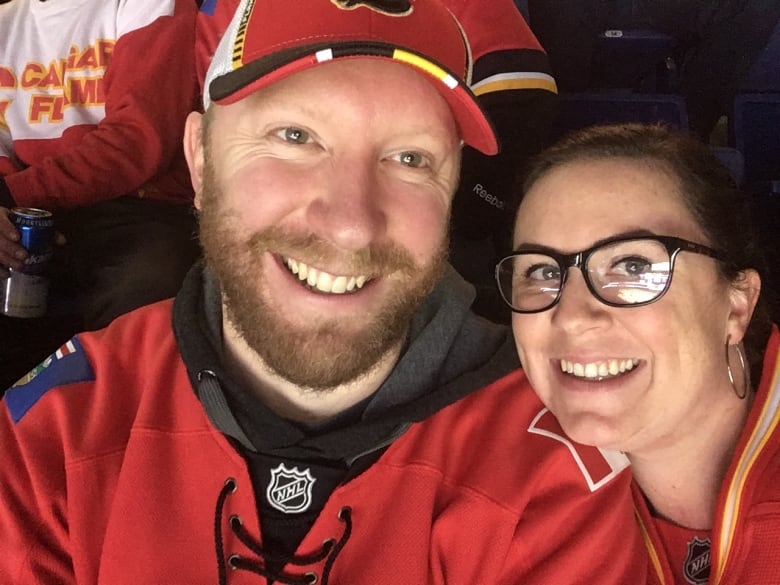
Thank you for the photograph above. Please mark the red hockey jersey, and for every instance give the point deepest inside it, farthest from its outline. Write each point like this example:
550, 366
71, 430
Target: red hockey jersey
115, 476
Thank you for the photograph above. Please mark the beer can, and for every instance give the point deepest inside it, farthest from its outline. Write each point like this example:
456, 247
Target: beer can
24, 292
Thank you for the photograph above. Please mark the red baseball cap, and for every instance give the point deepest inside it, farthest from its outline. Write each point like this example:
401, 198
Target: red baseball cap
268, 40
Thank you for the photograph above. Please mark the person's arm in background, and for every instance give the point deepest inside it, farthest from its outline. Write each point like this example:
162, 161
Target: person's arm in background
514, 84
150, 88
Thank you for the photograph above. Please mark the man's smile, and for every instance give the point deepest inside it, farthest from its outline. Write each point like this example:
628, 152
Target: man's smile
324, 281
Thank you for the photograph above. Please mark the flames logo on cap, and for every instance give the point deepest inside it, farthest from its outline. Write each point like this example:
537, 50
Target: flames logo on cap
389, 7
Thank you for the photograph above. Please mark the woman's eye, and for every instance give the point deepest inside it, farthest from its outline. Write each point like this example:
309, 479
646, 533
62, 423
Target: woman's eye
411, 159
294, 135
634, 266
543, 272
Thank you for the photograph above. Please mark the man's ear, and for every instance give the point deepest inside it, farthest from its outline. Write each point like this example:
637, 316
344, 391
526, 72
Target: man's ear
743, 298
193, 152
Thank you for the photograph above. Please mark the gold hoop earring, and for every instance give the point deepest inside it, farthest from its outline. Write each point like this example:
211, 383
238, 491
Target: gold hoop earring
745, 373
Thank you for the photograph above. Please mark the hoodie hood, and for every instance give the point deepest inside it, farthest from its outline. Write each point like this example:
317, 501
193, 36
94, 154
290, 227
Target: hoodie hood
449, 353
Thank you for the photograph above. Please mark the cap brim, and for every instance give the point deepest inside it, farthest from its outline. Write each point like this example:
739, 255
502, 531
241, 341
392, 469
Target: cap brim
475, 128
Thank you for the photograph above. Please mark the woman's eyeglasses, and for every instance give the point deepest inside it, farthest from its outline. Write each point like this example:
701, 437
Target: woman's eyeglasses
622, 272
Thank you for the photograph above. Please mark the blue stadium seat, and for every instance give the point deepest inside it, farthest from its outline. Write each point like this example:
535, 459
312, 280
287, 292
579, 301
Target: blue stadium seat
579, 110
764, 75
755, 127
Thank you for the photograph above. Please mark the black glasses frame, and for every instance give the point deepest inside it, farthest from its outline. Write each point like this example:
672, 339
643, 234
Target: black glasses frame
579, 260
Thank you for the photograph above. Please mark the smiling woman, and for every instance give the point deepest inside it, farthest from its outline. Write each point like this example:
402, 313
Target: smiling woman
643, 340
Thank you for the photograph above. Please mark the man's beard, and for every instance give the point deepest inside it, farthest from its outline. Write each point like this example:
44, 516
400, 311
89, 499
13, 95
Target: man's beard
326, 352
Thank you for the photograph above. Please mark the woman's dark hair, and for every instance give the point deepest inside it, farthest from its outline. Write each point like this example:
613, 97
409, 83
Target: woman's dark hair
707, 188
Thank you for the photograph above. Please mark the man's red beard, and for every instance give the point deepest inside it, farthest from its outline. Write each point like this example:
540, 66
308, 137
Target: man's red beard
328, 351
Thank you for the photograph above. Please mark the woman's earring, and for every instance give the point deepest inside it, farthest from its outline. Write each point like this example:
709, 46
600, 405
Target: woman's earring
743, 365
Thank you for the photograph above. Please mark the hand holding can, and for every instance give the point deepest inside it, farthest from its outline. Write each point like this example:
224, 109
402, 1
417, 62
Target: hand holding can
24, 293
12, 253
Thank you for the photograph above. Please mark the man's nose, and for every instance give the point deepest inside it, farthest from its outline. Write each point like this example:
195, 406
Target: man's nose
348, 211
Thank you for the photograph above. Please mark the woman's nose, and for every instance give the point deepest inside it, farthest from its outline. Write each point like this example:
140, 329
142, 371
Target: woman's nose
577, 307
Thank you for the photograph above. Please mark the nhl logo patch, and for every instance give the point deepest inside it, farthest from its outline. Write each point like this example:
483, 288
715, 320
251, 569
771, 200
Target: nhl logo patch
696, 566
290, 489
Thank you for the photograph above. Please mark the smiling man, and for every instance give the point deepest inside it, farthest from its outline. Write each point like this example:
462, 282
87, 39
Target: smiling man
325, 225
318, 404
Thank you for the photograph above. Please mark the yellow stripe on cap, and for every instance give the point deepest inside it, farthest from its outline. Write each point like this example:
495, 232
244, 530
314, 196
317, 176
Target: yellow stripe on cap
237, 59
427, 66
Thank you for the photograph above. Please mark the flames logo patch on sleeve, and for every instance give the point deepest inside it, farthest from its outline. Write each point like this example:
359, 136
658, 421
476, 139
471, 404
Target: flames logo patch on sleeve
598, 466
67, 365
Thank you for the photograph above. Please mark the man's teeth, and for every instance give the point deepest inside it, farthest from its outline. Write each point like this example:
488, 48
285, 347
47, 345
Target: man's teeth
323, 281
601, 369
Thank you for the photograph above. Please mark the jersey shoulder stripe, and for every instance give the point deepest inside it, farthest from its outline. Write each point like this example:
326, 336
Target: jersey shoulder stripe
67, 365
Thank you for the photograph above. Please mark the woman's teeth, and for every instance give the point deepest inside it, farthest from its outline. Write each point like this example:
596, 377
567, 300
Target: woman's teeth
600, 369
